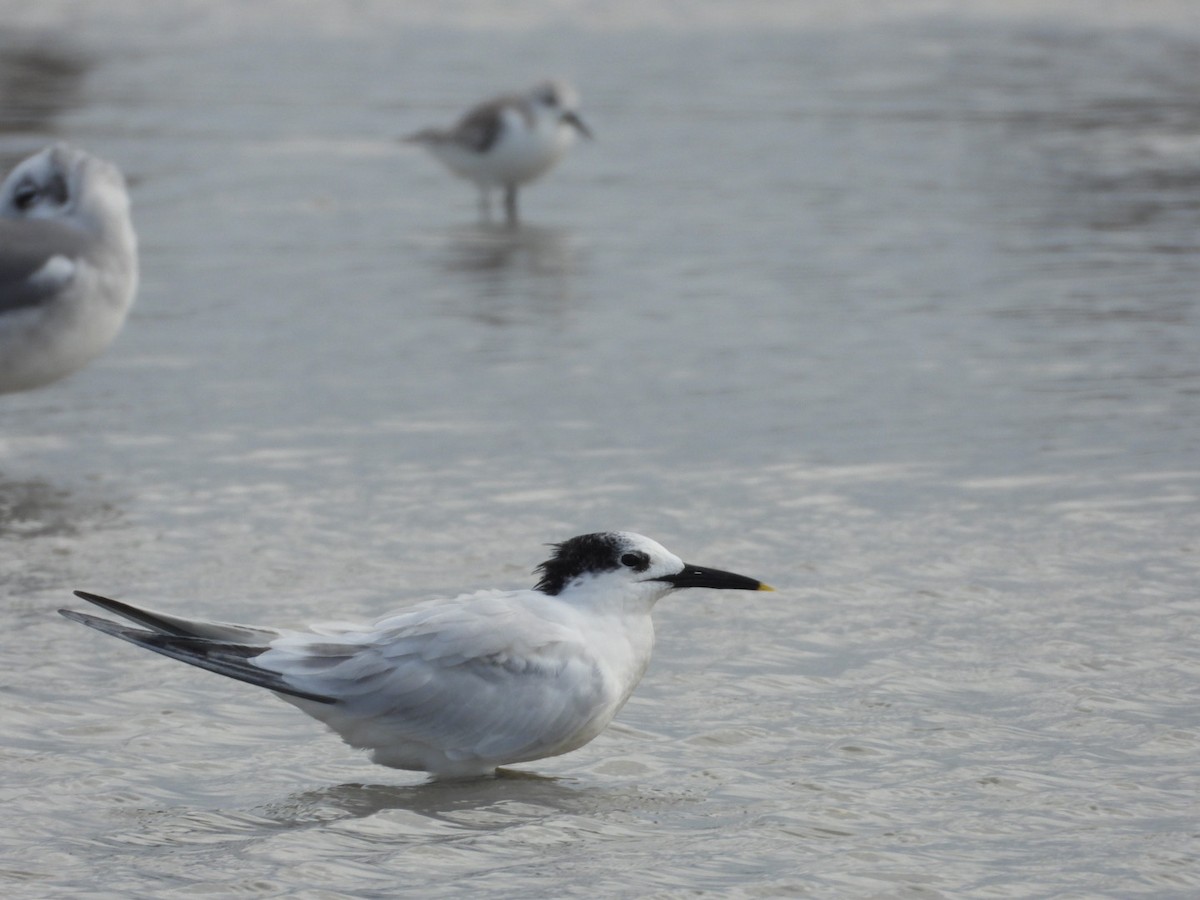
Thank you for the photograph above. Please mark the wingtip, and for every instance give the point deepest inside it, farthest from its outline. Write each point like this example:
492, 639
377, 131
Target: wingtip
76, 616
99, 599
105, 625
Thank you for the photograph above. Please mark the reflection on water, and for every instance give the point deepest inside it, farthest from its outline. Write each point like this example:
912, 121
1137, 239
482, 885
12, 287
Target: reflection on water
495, 248
494, 253
1120, 140
35, 509
40, 525
38, 81
1126, 181
455, 802
505, 274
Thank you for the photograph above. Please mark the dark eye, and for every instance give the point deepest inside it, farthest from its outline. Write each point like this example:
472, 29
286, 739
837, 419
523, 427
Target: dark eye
637, 561
24, 195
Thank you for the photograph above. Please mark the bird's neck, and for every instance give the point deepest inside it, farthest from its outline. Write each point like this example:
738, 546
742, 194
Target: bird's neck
632, 602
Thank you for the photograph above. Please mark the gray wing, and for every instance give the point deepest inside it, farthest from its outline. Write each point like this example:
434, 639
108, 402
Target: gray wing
27, 246
226, 649
485, 677
176, 625
479, 129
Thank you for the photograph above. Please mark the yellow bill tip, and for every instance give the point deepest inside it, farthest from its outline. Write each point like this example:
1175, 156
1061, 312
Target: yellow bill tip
765, 587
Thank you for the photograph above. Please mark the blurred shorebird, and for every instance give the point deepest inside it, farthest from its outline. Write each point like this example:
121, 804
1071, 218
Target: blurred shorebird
68, 265
508, 141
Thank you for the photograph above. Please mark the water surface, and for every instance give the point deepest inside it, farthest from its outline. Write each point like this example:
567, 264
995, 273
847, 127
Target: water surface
894, 309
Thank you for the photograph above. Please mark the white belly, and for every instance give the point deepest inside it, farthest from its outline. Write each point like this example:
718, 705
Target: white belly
518, 156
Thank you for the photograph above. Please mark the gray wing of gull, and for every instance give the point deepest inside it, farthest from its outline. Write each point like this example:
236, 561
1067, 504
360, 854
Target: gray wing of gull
26, 246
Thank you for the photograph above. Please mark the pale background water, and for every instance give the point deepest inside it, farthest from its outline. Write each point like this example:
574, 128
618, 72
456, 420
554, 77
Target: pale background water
893, 305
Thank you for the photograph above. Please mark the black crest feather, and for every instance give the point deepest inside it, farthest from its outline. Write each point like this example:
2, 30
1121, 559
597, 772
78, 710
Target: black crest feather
582, 555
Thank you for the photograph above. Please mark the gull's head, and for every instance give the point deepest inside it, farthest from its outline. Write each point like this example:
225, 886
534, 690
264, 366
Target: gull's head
629, 565
559, 100
64, 182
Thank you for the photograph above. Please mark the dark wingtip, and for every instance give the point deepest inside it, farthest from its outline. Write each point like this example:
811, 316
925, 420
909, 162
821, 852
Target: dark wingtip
228, 659
106, 625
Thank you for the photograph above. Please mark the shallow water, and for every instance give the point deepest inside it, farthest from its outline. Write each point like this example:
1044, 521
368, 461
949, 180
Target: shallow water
894, 309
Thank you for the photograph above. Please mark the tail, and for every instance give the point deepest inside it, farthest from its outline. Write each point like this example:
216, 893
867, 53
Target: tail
426, 136
228, 650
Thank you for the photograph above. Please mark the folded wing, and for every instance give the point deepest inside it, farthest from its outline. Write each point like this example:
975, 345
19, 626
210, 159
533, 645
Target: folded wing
226, 649
485, 677
36, 261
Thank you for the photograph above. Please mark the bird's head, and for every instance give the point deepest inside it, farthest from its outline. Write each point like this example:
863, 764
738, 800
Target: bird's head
622, 562
559, 99
64, 182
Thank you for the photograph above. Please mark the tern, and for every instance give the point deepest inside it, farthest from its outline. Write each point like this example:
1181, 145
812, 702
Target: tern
458, 687
508, 141
68, 265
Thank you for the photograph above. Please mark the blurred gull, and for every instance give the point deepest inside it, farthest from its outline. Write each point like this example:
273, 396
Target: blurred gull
68, 265
508, 141
459, 687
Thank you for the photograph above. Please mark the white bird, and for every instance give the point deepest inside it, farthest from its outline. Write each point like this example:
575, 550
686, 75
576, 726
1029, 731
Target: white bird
508, 141
458, 687
68, 264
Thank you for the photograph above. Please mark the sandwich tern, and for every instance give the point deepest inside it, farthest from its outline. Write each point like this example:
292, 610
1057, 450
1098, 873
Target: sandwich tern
68, 264
458, 687
508, 141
